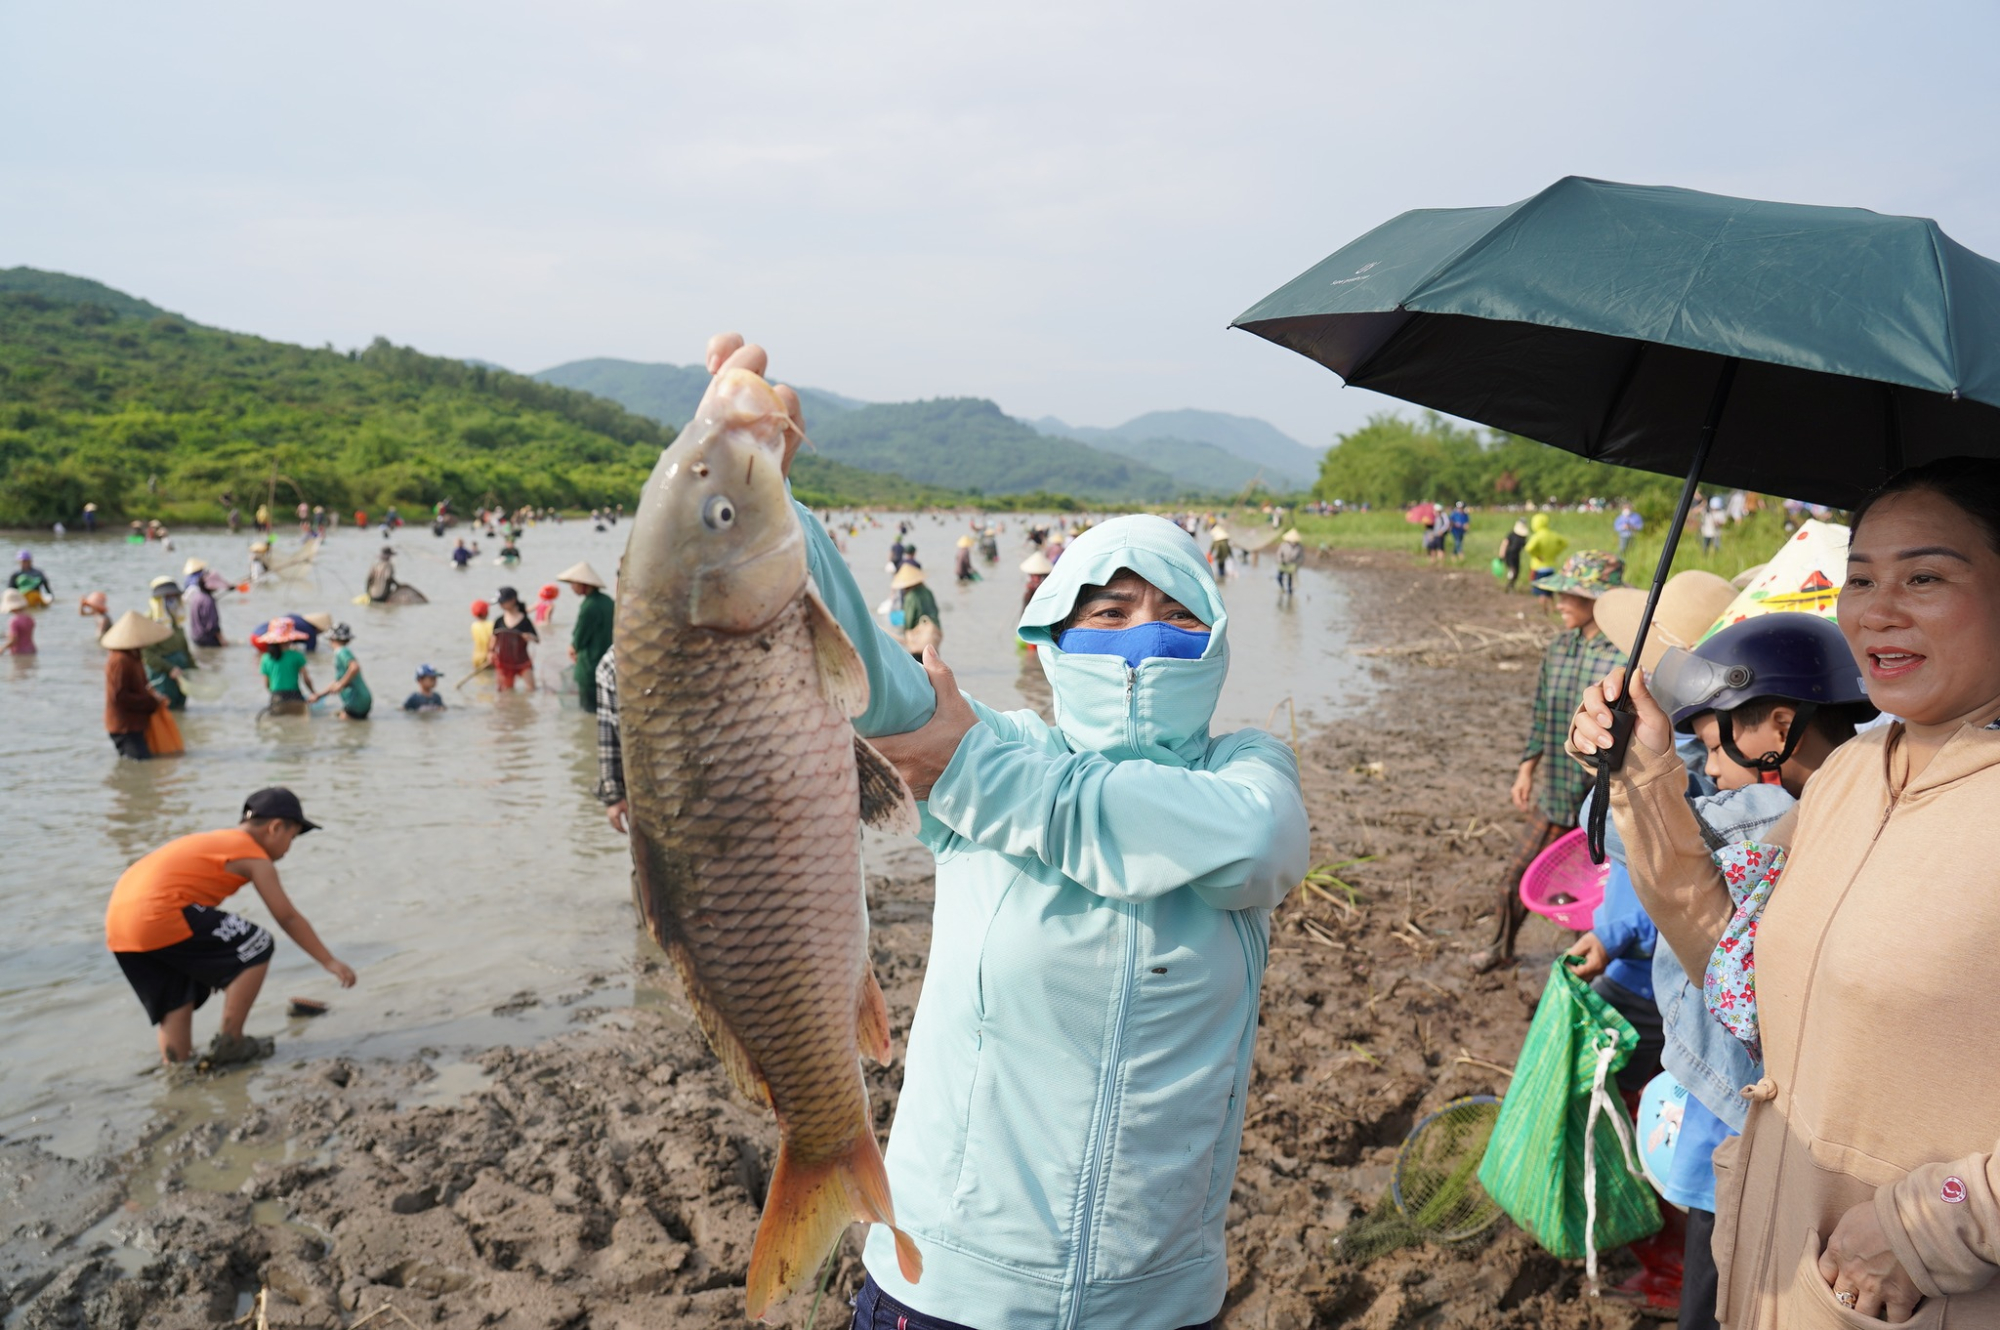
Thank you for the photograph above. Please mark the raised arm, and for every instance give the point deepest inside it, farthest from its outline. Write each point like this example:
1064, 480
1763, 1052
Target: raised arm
1670, 864
900, 697
1135, 830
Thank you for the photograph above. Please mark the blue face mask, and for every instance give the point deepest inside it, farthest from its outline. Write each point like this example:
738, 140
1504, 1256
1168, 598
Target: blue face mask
1141, 642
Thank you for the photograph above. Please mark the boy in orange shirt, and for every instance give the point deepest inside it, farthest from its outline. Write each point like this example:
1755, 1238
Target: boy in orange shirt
175, 946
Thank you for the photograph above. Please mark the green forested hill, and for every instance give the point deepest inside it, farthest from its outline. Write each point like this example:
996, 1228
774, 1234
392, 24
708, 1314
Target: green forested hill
152, 415
668, 393
68, 290
968, 443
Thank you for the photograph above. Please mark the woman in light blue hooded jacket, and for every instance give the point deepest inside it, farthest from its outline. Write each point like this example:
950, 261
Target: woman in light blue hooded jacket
1066, 1140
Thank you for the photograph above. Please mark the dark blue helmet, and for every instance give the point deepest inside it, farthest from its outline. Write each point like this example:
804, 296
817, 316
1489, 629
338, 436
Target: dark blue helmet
1798, 658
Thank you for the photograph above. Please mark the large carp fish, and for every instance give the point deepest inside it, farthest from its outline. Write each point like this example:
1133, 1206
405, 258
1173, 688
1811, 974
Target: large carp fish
747, 786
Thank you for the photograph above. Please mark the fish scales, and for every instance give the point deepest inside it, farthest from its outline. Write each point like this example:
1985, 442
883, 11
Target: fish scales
750, 797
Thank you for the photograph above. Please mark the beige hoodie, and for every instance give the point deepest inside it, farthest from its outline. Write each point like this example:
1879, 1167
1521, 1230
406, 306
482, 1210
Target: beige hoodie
1878, 991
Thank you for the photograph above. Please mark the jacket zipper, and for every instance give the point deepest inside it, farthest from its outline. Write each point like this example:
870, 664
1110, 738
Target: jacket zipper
1798, 1039
1100, 1150
1132, 708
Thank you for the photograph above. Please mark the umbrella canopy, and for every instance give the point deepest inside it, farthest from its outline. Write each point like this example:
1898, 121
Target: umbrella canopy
1600, 317
1805, 351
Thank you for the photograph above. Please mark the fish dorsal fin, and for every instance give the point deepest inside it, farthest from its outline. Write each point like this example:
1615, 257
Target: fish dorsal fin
886, 802
843, 679
873, 1025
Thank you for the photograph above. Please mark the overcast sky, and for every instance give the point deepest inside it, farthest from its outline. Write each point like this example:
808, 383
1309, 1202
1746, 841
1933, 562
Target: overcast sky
1056, 205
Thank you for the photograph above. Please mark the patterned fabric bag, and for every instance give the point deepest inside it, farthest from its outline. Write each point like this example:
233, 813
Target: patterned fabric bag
1729, 988
1560, 1161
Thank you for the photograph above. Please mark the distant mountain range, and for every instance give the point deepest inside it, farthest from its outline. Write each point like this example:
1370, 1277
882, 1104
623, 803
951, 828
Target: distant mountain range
1195, 437
970, 444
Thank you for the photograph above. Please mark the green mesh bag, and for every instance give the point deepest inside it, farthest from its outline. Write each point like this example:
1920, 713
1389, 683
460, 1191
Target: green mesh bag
1561, 1151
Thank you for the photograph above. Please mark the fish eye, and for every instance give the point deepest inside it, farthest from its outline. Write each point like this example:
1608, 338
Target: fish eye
718, 514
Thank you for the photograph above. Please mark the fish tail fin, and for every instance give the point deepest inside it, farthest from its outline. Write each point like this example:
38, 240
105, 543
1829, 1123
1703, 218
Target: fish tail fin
807, 1209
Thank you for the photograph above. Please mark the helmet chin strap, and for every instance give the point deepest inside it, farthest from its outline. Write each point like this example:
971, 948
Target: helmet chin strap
1769, 763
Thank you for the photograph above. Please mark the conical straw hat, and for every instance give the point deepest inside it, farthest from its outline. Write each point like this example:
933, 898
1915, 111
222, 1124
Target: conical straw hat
1293, 534
581, 572
1689, 603
193, 566
1037, 562
966, 542
134, 631
1217, 534
321, 620
906, 577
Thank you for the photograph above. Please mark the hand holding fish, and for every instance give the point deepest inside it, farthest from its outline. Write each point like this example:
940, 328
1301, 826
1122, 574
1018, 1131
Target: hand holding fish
729, 351
921, 755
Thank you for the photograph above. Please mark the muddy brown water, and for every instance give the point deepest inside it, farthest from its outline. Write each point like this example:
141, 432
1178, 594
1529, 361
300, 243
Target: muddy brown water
465, 869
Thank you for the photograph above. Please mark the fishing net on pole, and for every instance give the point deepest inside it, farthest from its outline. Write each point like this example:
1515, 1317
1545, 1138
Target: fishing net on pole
1434, 1193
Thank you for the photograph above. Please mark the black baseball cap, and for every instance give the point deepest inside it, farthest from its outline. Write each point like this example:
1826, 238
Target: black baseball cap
277, 801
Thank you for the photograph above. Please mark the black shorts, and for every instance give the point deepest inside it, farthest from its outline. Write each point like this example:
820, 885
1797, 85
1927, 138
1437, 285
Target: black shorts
224, 945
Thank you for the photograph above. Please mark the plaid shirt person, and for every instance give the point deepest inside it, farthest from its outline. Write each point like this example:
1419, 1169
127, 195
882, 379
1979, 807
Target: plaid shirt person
610, 749
1571, 664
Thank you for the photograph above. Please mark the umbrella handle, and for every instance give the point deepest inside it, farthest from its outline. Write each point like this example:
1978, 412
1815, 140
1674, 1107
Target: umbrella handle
1622, 718
1623, 722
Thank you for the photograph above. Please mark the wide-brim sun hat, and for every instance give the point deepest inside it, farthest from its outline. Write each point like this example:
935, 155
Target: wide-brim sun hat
907, 576
134, 632
1690, 603
193, 566
164, 586
1037, 563
549, 592
1587, 573
12, 601
340, 632
92, 601
284, 630
319, 619
581, 573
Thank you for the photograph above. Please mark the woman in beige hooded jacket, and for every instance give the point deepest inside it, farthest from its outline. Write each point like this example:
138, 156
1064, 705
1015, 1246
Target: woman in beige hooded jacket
1866, 1186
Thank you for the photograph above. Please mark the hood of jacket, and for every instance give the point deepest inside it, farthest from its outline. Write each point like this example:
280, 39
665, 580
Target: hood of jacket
1159, 710
1539, 522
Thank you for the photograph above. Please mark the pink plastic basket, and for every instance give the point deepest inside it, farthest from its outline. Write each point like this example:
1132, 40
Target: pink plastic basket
1564, 870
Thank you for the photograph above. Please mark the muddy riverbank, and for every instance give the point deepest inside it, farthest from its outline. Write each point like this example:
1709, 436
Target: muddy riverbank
607, 1176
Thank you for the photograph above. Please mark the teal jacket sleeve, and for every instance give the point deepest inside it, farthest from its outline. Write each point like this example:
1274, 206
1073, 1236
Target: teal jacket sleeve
1236, 833
900, 696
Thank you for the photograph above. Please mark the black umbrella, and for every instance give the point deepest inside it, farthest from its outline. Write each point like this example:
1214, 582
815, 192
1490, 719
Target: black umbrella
1805, 351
